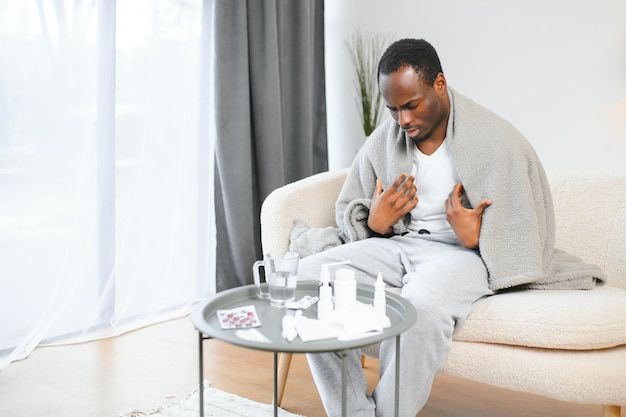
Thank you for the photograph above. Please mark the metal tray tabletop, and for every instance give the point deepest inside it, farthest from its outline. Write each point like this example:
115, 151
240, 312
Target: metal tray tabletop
204, 317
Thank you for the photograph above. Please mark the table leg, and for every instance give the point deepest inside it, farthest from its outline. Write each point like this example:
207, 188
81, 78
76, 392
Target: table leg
397, 394
344, 412
201, 373
275, 384
284, 362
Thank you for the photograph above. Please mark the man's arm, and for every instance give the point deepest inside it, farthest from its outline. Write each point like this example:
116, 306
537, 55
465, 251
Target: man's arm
465, 222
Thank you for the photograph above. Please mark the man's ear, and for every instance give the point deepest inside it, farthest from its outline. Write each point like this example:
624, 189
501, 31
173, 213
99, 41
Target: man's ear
440, 84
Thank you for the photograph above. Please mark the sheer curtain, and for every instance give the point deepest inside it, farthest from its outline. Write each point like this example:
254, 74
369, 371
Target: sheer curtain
106, 165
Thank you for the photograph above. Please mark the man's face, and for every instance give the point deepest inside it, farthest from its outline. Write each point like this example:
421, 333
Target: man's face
419, 109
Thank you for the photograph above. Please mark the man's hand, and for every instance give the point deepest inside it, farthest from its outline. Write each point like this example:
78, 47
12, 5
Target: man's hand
389, 206
465, 222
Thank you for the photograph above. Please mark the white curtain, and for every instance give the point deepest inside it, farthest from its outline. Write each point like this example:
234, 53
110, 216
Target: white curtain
106, 164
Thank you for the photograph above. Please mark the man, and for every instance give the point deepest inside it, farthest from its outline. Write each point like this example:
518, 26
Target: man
449, 202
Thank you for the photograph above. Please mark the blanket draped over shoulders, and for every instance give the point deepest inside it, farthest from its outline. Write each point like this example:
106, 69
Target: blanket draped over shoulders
494, 161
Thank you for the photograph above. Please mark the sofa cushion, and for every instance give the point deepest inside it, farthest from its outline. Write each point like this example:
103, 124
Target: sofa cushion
578, 320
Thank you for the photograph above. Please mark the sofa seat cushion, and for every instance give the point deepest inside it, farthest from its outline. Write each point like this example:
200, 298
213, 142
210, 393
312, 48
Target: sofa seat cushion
575, 320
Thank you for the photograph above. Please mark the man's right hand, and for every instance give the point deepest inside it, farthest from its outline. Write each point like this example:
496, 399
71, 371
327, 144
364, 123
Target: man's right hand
389, 206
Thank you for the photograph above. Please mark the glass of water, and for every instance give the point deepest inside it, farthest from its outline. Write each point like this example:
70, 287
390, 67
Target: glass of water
281, 276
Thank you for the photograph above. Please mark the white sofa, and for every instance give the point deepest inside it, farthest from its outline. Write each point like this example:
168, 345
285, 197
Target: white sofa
567, 345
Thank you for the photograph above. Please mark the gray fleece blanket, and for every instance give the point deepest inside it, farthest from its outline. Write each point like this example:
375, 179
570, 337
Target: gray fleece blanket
494, 161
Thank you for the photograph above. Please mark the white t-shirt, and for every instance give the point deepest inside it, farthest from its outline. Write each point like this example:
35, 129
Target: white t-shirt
435, 177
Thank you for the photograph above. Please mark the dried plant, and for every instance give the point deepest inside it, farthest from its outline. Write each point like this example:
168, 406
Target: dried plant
365, 51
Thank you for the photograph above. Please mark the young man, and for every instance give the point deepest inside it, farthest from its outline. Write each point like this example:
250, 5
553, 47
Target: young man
450, 203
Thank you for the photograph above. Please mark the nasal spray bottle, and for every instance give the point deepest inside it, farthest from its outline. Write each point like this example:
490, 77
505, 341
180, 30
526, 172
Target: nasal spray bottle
380, 302
325, 305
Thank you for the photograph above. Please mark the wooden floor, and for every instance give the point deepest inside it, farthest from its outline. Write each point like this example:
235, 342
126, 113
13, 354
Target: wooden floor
156, 365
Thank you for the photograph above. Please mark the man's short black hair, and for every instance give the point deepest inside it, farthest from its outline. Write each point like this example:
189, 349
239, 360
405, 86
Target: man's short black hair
415, 53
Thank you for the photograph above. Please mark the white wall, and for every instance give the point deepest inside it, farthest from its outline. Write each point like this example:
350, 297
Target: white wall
555, 69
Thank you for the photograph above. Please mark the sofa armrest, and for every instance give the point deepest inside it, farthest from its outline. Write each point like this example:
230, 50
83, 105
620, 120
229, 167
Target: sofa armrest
311, 199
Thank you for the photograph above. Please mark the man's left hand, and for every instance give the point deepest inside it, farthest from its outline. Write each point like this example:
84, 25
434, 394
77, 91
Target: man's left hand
465, 222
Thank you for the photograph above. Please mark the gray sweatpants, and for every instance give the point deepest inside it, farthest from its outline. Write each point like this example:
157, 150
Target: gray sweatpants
441, 278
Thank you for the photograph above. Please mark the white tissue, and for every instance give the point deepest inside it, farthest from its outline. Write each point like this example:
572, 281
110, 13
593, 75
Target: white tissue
360, 318
312, 329
289, 328
253, 335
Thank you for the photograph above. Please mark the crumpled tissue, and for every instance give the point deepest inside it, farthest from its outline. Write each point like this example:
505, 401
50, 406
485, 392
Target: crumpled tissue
360, 320
252, 335
312, 329
289, 328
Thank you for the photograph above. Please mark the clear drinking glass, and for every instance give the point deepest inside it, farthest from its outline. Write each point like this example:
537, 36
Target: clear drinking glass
281, 275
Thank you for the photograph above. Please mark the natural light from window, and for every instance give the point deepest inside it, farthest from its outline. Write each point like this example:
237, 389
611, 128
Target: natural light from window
104, 166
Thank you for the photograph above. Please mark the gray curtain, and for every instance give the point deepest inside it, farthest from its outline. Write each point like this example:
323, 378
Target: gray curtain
270, 116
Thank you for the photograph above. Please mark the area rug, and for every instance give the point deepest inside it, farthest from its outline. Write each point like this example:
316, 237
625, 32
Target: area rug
216, 404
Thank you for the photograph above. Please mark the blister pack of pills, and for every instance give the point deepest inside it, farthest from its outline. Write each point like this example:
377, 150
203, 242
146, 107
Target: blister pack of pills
238, 318
303, 303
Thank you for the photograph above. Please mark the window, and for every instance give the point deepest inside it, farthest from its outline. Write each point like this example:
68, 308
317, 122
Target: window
105, 167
